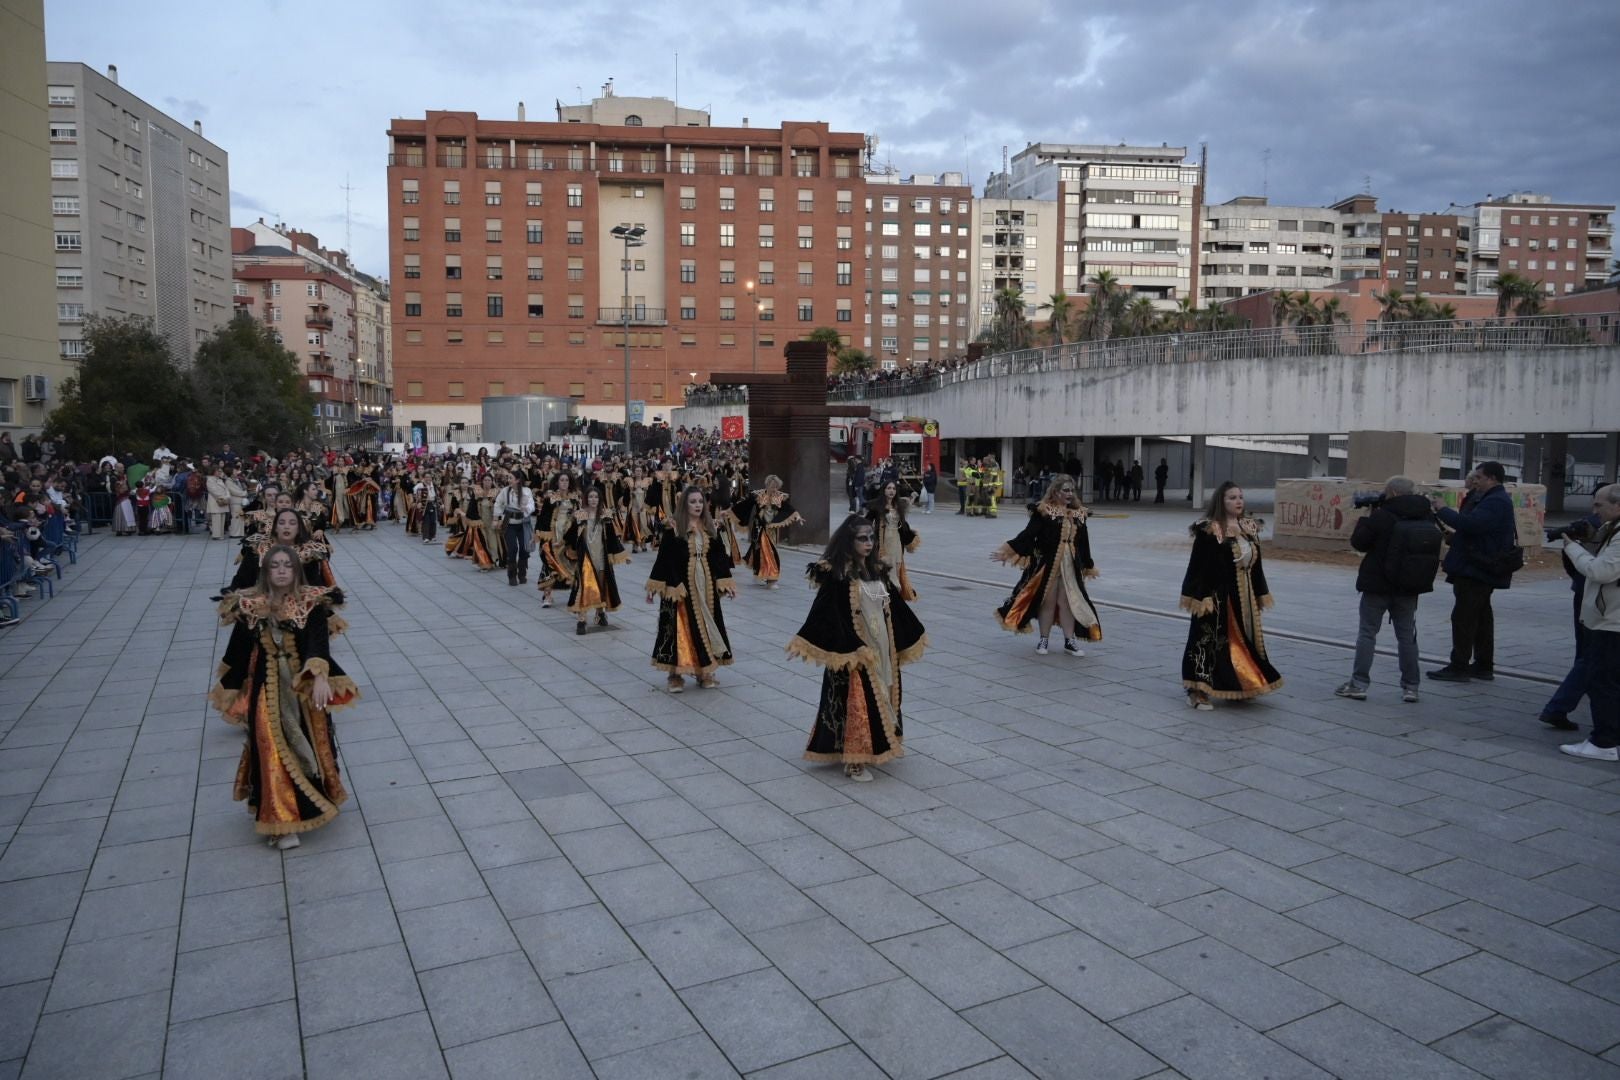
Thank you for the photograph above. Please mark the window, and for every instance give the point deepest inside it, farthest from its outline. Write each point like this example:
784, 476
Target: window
845, 274
410, 191
64, 131
845, 202
845, 310
576, 194
413, 228
492, 193
413, 337
688, 198
688, 234
576, 269
576, 307
807, 310
536, 268
413, 389
452, 230
688, 307
688, 162
413, 305
492, 230
846, 237
531, 193
767, 200
534, 232
452, 267
70, 313
615, 161
767, 236
413, 266
61, 95
728, 198
806, 273
69, 241
728, 163
537, 306
576, 232
452, 193
458, 389
807, 236
65, 205
728, 309
689, 340
452, 305
765, 309
64, 168
728, 341
69, 278
807, 201
728, 235
688, 271
493, 270
576, 389
495, 305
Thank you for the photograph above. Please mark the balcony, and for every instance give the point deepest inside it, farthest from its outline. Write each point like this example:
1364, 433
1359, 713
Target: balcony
635, 316
317, 320
415, 157
629, 168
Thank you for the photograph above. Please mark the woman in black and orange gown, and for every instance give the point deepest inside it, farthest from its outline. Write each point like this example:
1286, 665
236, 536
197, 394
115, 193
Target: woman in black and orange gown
287, 529
554, 514
473, 542
1054, 551
362, 493
1225, 590
278, 680
886, 509
690, 575
766, 512
861, 631
594, 547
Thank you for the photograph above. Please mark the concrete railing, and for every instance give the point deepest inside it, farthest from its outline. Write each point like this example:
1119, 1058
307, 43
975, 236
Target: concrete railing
1439, 336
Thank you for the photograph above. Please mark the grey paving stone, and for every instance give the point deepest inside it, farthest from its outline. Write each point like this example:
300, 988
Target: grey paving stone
341, 924
1052, 834
1545, 1004
1204, 1043
572, 813
845, 1061
325, 874
483, 998
874, 908
1047, 1034
994, 914
1142, 876
115, 1039
537, 887
907, 1031
41, 899
597, 851
1026, 871
656, 819
1599, 926
129, 909
1379, 933
222, 918
19, 1012
401, 1046
1519, 940
1248, 927
617, 1009
417, 838
1504, 1050
810, 860
643, 893
918, 867
692, 1056
31, 952
573, 941
1274, 811
228, 978
799, 794
1239, 985
1525, 899
1098, 979
696, 948
436, 879
455, 932
1118, 920
951, 830
97, 971
1151, 836
508, 842
1351, 1046
711, 853
399, 804
329, 996
850, 826
758, 1019
822, 957
1076, 803
758, 900
229, 869
1405, 1002
148, 823
213, 1046
1399, 893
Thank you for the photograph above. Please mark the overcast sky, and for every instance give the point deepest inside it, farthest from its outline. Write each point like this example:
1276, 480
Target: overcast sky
1420, 103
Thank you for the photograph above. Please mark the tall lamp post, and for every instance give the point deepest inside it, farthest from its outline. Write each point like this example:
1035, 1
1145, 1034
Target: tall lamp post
632, 238
753, 302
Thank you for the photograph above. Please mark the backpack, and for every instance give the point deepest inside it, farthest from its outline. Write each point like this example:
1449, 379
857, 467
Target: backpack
1413, 557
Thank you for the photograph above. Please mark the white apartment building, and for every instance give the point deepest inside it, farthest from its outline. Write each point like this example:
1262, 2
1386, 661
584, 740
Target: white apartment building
141, 205
1247, 246
1017, 243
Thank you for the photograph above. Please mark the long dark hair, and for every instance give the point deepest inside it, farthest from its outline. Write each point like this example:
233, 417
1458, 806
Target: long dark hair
683, 522
840, 559
303, 526
1215, 509
878, 503
271, 552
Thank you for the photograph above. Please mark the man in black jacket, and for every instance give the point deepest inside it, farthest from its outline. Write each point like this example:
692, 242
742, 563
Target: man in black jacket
1476, 566
1402, 554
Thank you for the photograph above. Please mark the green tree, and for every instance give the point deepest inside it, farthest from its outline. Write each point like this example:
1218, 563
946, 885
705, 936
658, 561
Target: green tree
249, 390
851, 360
1139, 319
1009, 326
828, 337
1107, 303
128, 394
1062, 309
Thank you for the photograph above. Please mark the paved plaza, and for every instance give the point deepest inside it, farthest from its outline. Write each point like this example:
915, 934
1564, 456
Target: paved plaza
551, 868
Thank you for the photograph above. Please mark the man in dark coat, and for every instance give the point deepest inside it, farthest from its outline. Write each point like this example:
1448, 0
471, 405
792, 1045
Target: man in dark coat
1381, 594
1483, 535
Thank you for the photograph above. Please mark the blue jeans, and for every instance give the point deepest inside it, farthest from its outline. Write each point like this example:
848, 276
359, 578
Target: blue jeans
1567, 698
1402, 611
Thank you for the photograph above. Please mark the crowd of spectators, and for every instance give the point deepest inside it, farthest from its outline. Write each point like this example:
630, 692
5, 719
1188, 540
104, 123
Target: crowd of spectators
915, 372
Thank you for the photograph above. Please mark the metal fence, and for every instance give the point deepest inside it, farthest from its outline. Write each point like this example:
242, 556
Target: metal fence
737, 395
1440, 336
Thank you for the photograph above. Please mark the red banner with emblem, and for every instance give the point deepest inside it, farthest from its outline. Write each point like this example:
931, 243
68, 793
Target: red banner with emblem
731, 427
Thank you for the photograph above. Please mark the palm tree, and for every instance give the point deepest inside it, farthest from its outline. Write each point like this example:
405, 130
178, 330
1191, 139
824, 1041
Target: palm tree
1140, 318
1010, 326
1185, 317
1284, 308
1105, 305
1061, 308
1395, 304
1532, 301
1519, 294
1330, 312
1214, 317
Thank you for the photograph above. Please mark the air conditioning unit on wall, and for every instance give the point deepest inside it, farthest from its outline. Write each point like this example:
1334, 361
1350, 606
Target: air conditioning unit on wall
35, 387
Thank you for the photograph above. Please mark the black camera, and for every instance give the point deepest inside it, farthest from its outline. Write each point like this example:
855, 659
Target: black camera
1578, 530
1363, 499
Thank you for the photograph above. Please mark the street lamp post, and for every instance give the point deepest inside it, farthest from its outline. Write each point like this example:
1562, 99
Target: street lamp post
632, 238
753, 302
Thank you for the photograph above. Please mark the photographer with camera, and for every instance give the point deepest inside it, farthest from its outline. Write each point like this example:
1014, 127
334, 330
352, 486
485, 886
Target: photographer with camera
1484, 556
1600, 615
1401, 546
514, 508
1567, 698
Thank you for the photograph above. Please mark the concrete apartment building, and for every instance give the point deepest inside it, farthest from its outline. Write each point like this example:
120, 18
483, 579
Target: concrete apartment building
359, 386
141, 205
31, 362
918, 286
1246, 246
1017, 241
501, 244
1565, 246
1130, 210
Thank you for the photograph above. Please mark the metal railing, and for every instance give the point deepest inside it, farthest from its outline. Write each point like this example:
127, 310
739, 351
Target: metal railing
734, 395
637, 316
1437, 336
630, 166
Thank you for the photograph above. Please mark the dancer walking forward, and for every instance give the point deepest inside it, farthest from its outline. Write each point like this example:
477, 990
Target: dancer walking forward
689, 576
278, 680
556, 512
1224, 589
594, 548
766, 512
1054, 551
861, 632
886, 509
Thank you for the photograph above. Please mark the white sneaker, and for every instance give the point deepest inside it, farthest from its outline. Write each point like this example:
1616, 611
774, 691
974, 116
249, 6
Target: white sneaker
287, 841
1072, 647
1587, 750
1040, 647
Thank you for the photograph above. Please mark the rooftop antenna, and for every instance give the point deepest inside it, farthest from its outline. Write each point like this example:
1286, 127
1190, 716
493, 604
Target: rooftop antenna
967, 164
1366, 184
580, 91
677, 87
348, 220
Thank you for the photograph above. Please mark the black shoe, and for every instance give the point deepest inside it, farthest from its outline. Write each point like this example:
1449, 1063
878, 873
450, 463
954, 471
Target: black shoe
601, 618
511, 580
579, 628
1449, 674
1558, 721
1485, 673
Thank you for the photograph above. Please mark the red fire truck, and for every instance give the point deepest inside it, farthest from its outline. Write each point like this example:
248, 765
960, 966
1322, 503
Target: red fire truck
912, 441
